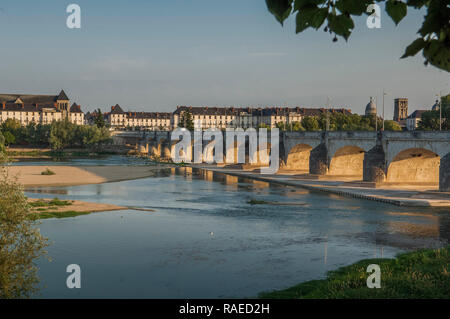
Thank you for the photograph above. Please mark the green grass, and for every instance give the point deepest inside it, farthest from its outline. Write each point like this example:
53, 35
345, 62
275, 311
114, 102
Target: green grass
48, 172
66, 214
257, 202
420, 274
54, 202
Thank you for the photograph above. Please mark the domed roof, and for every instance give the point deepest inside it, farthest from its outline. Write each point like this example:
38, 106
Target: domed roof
371, 108
436, 106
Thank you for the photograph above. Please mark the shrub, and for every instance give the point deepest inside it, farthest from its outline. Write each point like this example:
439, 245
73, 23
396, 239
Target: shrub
48, 172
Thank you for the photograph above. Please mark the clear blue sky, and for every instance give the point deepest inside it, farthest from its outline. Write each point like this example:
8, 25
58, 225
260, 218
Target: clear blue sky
153, 55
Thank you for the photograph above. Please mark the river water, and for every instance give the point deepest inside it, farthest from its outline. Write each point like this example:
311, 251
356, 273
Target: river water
205, 240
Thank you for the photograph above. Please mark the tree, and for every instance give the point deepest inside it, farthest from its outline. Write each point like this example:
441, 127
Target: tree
11, 131
99, 119
62, 134
9, 138
21, 243
310, 123
391, 126
430, 119
434, 34
2, 144
11, 125
186, 121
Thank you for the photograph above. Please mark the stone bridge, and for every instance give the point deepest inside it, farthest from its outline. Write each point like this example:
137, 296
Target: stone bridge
419, 157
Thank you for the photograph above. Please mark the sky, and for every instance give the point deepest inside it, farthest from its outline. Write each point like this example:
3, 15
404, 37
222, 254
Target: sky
156, 54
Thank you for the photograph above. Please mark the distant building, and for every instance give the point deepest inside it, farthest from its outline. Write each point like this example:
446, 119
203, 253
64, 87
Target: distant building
75, 114
118, 118
412, 121
436, 106
39, 109
400, 109
233, 117
371, 108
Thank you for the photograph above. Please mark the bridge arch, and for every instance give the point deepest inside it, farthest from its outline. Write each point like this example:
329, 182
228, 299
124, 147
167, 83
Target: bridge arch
414, 165
184, 154
248, 155
348, 160
298, 157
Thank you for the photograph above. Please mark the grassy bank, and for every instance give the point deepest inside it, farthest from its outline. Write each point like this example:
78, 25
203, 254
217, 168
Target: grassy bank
43, 209
65, 214
420, 274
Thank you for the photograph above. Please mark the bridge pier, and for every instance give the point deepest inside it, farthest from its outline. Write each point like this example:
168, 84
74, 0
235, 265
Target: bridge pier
444, 174
375, 165
318, 160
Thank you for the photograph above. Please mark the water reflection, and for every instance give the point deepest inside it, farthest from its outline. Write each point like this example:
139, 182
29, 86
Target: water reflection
171, 252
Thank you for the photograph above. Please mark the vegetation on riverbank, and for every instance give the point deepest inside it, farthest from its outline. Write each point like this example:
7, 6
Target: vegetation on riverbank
42, 209
257, 202
48, 172
50, 203
20, 240
64, 214
58, 135
420, 274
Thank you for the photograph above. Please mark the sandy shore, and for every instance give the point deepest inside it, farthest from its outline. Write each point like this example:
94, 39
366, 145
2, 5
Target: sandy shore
30, 176
79, 206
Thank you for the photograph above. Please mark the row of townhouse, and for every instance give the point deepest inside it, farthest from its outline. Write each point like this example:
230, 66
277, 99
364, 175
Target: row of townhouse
231, 117
118, 118
213, 117
39, 109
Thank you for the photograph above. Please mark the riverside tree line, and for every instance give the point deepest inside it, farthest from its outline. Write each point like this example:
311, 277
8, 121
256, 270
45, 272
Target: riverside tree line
58, 135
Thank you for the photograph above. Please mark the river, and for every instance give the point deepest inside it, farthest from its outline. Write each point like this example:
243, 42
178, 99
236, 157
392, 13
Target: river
205, 240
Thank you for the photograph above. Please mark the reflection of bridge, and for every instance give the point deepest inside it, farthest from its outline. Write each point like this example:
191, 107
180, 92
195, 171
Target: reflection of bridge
418, 156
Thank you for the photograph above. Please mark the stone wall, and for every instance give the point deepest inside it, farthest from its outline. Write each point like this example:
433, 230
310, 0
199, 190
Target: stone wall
374, 165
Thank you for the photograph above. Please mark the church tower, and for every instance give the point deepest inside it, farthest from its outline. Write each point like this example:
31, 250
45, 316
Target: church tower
400, 109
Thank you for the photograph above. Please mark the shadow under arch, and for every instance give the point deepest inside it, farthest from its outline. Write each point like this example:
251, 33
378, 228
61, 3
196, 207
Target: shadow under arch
259, 158
414, 165
298, 158
347, 161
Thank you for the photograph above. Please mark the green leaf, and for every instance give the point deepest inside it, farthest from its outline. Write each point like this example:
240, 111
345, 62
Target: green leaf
396, 10
281, 9
436, 19
354, 7
341, 25
416, 3
414, 47
438, 54
299, 4
310, 17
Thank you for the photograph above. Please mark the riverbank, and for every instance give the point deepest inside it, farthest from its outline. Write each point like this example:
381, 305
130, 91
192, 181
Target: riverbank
56, 208
31, 176
420, 274
17, 153
413, 196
